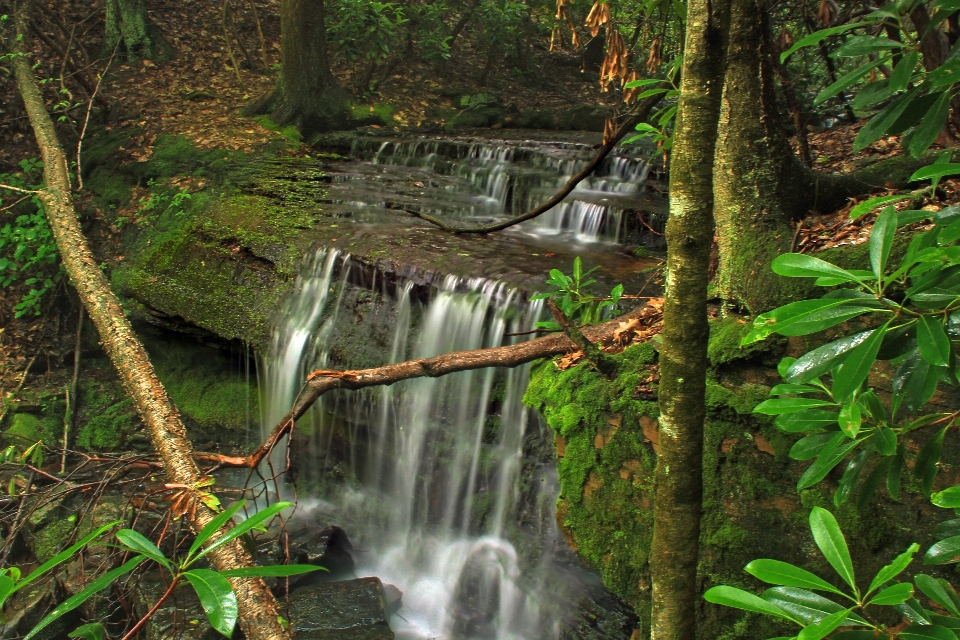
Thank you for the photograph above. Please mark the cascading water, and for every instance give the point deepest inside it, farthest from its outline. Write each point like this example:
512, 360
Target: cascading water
511, 178
425, 475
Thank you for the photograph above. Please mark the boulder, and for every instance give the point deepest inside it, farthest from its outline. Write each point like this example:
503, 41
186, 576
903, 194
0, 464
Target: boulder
348, 610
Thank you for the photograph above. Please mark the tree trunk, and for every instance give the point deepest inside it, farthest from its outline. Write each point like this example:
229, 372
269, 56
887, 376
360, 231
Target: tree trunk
306, 95
258, 608
127, 23
683, 355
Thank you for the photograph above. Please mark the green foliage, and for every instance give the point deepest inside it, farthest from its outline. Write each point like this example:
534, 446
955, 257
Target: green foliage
575, 298
793, 595
364, 30
28, 253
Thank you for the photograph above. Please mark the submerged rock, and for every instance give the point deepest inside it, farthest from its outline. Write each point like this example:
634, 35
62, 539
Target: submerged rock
348, 610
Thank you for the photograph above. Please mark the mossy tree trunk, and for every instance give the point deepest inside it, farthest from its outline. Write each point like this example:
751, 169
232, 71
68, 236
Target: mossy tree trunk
683, 356
128, 24
306, 95
258, 608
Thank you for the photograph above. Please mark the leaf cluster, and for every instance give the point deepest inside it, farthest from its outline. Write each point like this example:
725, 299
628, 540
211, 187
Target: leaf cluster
573, 295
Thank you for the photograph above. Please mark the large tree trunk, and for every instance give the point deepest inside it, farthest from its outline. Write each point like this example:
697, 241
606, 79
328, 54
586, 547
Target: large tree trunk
258, 608
683, 355
306, 95
127, 23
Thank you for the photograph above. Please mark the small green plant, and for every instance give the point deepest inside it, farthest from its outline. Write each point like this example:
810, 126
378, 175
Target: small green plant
575, 299
215, 593
793, 597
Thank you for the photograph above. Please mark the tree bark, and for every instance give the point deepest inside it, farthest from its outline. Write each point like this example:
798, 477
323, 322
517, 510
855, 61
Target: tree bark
306, 95
127, 23
258, 608
683, 354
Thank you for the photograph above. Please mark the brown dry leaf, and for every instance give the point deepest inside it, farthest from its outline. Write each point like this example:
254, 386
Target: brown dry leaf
568, 360
651, 431
764, 445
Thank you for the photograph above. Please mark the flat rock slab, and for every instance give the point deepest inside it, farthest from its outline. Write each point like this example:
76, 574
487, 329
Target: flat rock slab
348, 609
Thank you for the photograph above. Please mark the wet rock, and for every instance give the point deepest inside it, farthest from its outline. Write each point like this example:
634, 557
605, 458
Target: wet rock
180, 618
28, 606
584, 118
601, 616
330, 549
348, 610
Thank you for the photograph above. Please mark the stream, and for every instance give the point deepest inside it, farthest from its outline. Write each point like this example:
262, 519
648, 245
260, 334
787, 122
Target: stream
448, 486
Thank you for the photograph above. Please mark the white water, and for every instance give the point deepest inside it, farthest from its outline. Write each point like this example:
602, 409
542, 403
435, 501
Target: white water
432, 488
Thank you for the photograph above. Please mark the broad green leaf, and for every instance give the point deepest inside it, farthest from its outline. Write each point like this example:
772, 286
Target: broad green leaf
829, 538
943, 552
799, 265
870, 204
785, 363
895, 568
806, 420
912, 611
785, 574
903, 71
851, 475
872, 405
740, 599
636, 84
914, 382
881, 123
216, 597
94, 587
821, 360
64, 555
863, 45
886, 440
213, 526
936, 171
847, 80
818, 36
806, 606
831, 455
850, 420
948, 498
945, 621
7, 586
943, 76
811, 446
776, 406
793, 389
872, 93
814, 314
251, 522
826, 626
855, 368
932, 341
138, 543
857, 634
911, 216
91, 631
275, 571
936, 592
896, 594
925, 466
881, 239
947, 529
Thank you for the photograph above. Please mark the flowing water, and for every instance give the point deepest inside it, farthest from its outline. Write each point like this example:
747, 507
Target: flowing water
438, 480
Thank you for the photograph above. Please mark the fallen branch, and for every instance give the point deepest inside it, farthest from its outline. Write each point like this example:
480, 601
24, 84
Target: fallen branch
638, 114
322, 381
590, 350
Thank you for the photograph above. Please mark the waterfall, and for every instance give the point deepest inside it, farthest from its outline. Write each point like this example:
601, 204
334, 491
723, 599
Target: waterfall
424, 475
510, 178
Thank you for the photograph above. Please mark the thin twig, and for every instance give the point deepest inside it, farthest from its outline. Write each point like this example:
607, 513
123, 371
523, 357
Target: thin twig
226, 39
72, 402
796, 234
18, 189
263, 42
86, 119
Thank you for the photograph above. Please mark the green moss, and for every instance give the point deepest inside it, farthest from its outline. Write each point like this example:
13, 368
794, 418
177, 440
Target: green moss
288, 133
725, 337
107, 418
24, 429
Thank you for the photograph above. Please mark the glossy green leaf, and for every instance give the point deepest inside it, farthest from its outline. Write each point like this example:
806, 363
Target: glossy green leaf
943, 552
776, 406
785, 364
931, 125
851, 476
138, 543
806, 606
863, 45
947, 529
250, 523
925, 466
216, 597
274, 571
785, 574
846, 80
881, 123
740, 599
855, 368
886, 440
806, 420
831, 455
823, 359
829, 538
793, 389
932, 341
912, 216
870, 204
913, 611
91, 631
850, 420
895, 594
65, 554
799, 265
903, 71
822, 629
7, 586
818, 36
881, 239
806, 316
895, 568
914, 382
948, 498
872, 93
213, 526
92, 588
945, 621
810, 447
936, 592
936, 171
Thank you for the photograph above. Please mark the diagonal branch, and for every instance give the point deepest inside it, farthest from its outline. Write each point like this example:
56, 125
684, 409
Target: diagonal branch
640, 113
514, 355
